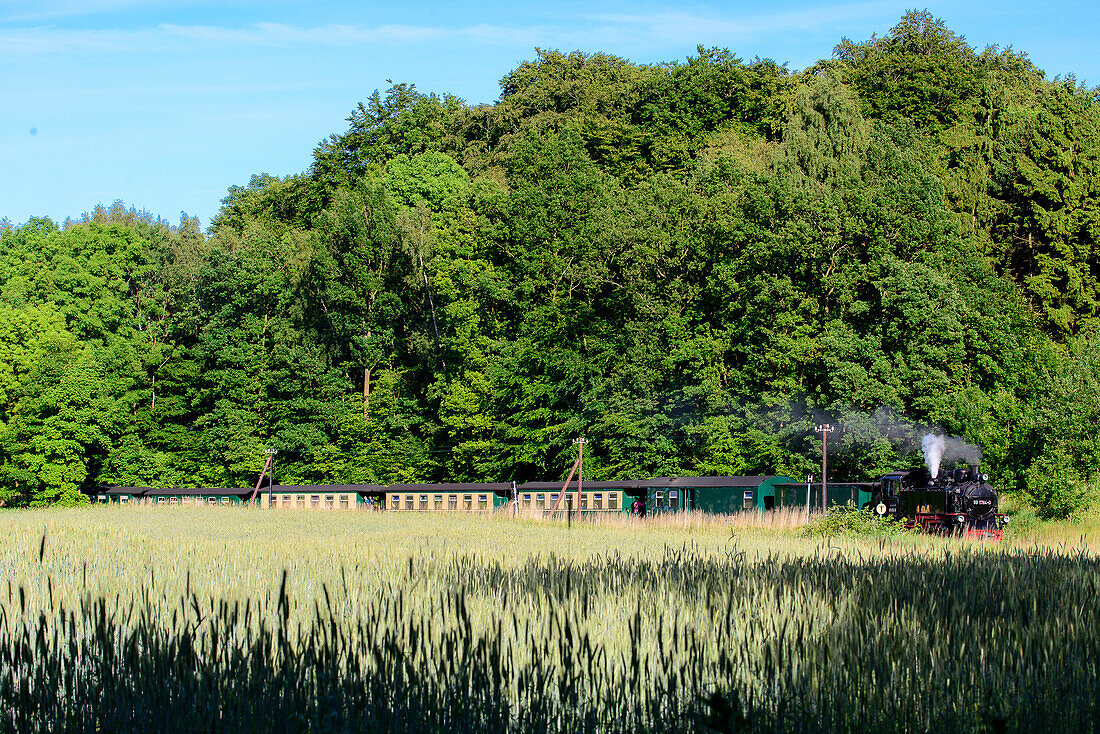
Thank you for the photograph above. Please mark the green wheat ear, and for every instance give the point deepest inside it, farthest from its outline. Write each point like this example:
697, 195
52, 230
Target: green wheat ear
596, 631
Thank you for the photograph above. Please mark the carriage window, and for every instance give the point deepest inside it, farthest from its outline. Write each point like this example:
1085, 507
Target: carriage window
122, 499
301, 501
597, 501
468, 502
329, 499
439, 502
613, 500
526, 498
584, 500
452, 502
395, 501
345, 501
174, 501
540, 499
482, 501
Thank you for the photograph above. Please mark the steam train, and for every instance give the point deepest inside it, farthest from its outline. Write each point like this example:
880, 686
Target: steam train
955, 501
958, 501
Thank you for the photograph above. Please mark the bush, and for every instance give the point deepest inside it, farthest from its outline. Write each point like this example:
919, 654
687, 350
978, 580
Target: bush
850, 520
1055, 488
1022, 524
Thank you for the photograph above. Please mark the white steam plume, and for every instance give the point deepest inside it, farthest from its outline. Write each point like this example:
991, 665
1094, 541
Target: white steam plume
933, 447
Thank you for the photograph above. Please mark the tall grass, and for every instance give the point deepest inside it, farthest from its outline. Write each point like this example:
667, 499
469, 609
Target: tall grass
124, 620
782, 519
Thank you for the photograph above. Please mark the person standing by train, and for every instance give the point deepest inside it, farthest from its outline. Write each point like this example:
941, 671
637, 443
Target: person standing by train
638, 507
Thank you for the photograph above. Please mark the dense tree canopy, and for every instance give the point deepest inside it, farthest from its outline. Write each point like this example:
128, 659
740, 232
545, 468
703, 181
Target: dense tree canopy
689, 263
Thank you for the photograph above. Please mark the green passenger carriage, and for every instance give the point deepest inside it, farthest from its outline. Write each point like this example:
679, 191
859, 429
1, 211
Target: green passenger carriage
177, 496
453, 497
839, 494
658, 495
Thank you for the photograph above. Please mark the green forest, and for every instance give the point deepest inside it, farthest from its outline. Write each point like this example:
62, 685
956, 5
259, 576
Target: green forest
689, 263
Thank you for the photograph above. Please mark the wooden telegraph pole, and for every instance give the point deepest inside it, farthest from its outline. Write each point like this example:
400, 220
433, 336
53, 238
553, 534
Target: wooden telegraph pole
578, 465
824, 429
268, 465
580, 471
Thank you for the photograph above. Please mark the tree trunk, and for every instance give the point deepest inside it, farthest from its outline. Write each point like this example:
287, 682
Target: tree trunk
366, 382
366, 391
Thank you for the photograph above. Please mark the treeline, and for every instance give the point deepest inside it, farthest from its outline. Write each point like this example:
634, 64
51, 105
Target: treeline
688, 263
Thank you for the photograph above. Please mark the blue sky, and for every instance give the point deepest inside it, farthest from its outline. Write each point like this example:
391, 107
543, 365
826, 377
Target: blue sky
166, 104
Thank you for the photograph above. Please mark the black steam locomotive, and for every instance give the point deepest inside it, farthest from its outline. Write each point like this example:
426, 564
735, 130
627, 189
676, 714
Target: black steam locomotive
956, 501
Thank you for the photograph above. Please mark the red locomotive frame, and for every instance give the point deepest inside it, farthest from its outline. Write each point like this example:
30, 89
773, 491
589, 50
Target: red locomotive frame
949, 524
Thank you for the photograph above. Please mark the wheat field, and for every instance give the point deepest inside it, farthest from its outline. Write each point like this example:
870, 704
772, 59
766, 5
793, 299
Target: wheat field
181, 619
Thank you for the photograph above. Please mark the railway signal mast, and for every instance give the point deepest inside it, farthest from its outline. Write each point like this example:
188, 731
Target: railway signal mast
824, 429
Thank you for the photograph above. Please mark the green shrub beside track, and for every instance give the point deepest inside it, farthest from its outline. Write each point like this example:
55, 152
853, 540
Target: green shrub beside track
852, 521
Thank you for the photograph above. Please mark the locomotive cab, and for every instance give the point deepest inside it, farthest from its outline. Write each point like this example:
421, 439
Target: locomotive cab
885, 501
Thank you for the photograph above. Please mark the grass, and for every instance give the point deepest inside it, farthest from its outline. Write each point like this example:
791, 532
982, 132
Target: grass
183, 619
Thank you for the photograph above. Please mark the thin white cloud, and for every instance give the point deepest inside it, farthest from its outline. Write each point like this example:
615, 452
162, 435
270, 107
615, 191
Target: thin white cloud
681, 25
278, 34
683, 28
49, 40
674, 28
53, 40
311, 85
15, 11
